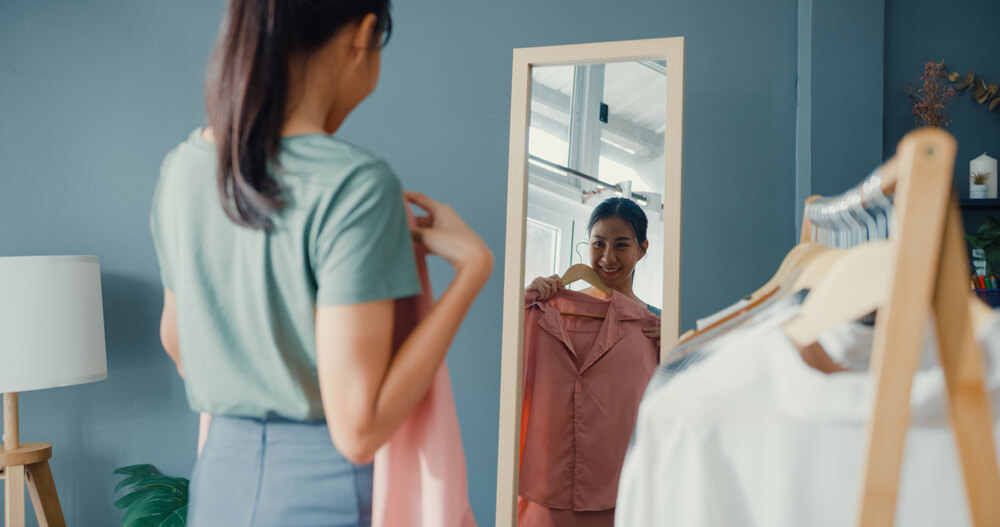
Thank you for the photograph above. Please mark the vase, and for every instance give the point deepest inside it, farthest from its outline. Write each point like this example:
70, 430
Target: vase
977, 191
985, 164
979, 261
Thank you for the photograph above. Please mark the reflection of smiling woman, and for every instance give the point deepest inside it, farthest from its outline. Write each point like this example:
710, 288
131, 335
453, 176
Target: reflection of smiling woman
584, 378
618, 241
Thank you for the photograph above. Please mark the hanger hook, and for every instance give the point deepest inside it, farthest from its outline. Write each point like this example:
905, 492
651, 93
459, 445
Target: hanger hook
866, 222
576, 249
883, 206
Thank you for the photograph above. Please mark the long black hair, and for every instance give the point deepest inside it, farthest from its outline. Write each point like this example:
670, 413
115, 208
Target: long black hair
247, 89
623, 208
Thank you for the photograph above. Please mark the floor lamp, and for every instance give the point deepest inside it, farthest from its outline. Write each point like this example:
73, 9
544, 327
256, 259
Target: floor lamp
51, 334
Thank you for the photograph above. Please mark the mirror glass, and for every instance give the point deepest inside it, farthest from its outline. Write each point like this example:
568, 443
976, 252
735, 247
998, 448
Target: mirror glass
596, 177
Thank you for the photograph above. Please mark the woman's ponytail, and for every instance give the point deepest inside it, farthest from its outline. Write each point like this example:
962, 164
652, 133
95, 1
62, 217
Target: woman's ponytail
247, 90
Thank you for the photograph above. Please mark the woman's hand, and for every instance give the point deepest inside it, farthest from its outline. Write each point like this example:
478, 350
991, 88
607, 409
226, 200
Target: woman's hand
368, 386
653, 333
443, 233
547, 286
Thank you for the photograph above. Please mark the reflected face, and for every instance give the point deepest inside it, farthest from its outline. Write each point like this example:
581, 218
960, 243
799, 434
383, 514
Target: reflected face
614, 251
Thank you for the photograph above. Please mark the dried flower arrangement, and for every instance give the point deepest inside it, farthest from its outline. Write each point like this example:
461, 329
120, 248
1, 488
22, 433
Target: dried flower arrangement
933, 97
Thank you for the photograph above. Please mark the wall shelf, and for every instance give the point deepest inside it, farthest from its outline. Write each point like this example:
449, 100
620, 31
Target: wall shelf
967, 203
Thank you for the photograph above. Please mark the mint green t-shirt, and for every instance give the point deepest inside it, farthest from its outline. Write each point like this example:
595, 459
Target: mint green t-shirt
246, 297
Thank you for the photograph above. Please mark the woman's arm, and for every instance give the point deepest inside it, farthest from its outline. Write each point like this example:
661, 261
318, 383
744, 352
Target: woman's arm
168, 337
367, 390
168, 329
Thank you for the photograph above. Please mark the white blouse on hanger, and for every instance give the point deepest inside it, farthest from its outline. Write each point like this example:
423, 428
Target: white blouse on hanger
752, 436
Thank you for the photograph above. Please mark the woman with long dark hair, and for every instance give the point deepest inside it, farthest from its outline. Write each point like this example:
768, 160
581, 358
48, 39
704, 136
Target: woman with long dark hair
617, 230
282, 249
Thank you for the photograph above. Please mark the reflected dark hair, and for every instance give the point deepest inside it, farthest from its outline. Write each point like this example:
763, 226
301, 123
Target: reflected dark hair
625, 209
247, 89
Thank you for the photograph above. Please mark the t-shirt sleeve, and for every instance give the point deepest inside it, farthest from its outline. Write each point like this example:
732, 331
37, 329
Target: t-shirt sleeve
363, 250
156, 226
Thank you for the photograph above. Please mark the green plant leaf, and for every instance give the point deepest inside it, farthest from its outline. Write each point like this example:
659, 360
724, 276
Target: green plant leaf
152, 507
988, 233
178, 485
976, 243
141, 494
132, 470
150, 521
993, 256
989, 229
176, 519
133, 479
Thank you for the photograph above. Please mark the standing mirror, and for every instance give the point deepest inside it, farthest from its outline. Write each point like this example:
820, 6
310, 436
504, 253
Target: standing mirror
592, 269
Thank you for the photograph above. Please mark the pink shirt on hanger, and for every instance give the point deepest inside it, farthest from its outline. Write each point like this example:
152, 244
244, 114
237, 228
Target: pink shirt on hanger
419, 475
583, 381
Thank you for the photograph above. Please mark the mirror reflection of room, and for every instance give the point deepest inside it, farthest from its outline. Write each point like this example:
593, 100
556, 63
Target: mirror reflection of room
593, 281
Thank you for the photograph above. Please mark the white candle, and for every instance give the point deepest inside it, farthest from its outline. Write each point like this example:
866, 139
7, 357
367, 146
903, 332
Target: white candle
985, 163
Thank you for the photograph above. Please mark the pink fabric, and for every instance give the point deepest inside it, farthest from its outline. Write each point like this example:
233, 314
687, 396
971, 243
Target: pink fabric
419, 478
581, 401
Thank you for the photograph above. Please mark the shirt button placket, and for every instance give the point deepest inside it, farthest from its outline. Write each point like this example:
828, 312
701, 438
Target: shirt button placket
577, 387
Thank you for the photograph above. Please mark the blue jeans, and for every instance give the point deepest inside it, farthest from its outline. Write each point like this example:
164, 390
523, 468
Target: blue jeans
276, 472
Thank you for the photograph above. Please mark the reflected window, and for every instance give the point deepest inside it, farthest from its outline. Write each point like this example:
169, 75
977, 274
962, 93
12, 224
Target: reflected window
551, 106
606, 121
635, 95
540, 250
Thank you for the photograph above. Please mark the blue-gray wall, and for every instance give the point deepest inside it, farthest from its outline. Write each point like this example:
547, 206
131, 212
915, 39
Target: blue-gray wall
839, 119
965, 36
92, 94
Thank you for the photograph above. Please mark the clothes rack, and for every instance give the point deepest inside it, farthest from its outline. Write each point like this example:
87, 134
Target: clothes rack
929, 274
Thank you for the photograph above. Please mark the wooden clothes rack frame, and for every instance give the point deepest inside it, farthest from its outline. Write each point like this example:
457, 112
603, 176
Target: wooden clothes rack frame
931, 275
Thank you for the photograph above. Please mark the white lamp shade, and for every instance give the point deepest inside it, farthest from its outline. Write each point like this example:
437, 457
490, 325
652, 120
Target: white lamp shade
51, 322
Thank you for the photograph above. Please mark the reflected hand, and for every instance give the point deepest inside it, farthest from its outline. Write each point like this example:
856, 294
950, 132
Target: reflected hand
653, 333
547, 286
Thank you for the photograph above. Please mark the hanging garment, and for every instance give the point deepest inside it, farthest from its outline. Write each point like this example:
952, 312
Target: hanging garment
703, 323
584, 378
531, 514
420, 478
703, 346
752, 436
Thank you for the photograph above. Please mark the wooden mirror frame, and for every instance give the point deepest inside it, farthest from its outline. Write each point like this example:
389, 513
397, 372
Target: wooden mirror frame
525, 59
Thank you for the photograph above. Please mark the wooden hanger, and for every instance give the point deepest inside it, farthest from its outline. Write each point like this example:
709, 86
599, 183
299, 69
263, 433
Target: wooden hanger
814, 270
795, 260
800, 255
798, 260
856, 284
584, 315
587, 274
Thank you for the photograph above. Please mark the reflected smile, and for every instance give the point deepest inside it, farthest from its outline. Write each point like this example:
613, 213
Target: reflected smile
609, 271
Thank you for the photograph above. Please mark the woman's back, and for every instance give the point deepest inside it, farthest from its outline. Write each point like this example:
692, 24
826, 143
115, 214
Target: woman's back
282, 252
246, 297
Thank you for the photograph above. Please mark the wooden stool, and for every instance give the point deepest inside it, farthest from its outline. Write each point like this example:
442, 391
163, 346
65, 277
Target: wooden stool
27, 463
